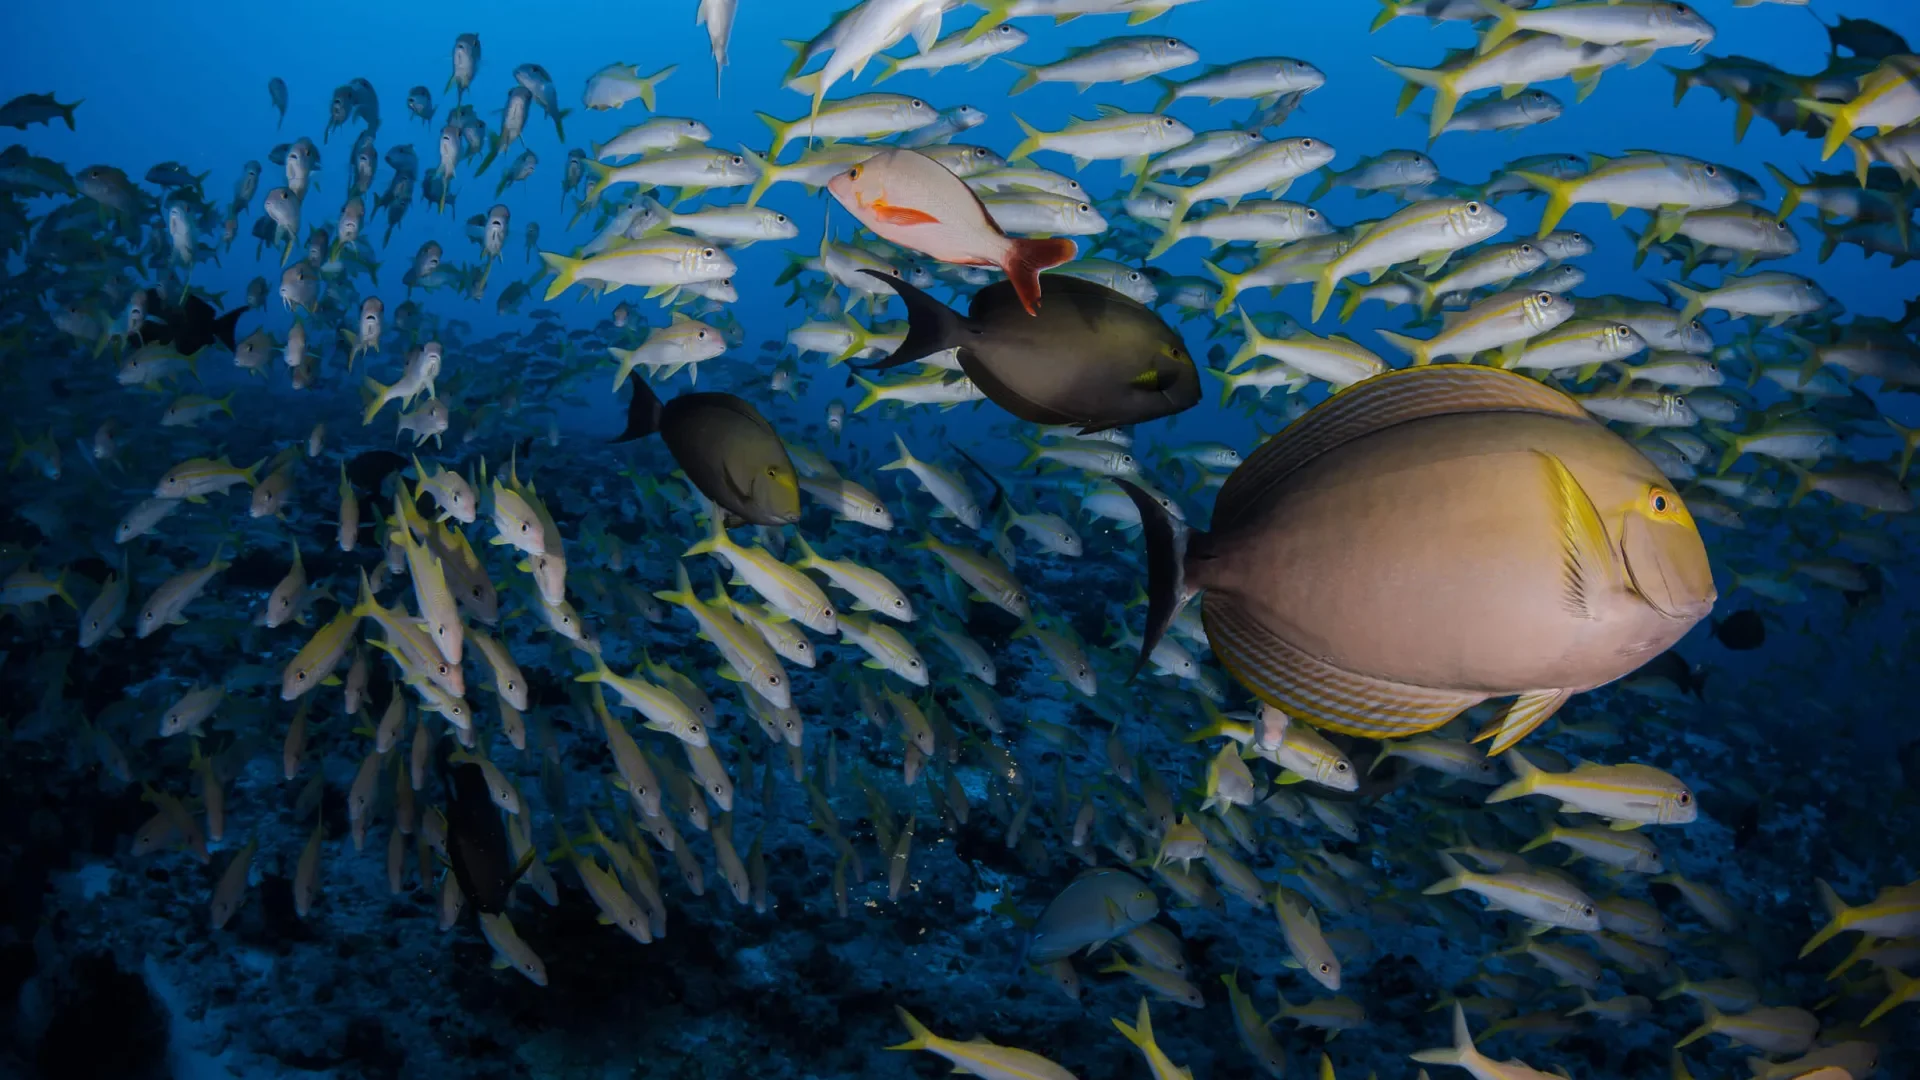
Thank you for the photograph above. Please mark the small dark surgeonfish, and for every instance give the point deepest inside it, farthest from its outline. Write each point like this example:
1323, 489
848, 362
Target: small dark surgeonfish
477, 842
1741, 630
727, 449
1091, 357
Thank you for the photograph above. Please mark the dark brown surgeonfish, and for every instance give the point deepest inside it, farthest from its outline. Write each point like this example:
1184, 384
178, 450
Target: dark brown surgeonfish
726, 448
477, 850
1429, 539
1091, 357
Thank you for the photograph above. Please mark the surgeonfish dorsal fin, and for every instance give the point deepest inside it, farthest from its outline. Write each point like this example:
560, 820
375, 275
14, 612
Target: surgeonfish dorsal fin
1374, 405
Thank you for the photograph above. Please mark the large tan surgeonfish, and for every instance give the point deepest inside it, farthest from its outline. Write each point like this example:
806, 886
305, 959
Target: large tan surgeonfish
1429, 539
914, 201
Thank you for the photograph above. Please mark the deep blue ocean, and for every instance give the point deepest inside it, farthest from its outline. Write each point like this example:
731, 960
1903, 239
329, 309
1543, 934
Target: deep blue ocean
1801, 752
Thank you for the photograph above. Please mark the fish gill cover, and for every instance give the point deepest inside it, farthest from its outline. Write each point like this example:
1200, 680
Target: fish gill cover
1086, 538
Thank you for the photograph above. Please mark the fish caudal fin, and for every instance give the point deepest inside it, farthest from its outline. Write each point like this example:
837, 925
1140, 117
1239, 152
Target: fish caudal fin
931, 325
1166, 541
564, 271
1028, 145
1460, 1053
1712, 1023
643, 413
1025, 260
1141, 1033
1506, 23
1029, 77
919, 1038
1526, 778
1839, 126
1559, 197
1413, 347
1836, 919
1694, 304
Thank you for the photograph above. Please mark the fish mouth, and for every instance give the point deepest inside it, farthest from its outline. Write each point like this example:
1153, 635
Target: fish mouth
1668, 572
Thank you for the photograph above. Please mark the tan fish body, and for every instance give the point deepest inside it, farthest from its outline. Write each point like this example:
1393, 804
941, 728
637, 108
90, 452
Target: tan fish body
1449, 534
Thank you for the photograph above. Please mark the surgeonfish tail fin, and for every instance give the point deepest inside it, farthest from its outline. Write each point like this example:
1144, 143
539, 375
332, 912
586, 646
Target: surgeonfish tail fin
931, 325
1166, 540
643, 413
1025, 260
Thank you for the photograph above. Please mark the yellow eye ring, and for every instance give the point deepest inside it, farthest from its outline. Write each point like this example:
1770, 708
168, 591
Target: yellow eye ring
1661, 502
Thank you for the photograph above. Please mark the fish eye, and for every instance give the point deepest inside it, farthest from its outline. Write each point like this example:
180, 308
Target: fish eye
1168, 121
1712, 171
1543, 296
773, 680
1473, 208
1341, 766
1587, 911
1685, 798
1326, 969
1084, 208
1173, 43
780, 218
299, 676
1306, 144
1526, 249
1312, 214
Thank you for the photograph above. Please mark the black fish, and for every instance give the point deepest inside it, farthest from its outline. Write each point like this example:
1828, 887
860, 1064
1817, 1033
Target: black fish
1865, 38
1091, 357
1673, 667
999, 492
1741, 630
477, 842
725, 447
369, 470
189, 326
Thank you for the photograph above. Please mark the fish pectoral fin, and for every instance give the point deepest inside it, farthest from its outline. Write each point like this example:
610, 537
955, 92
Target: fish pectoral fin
1586, 554
901, 215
